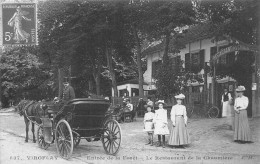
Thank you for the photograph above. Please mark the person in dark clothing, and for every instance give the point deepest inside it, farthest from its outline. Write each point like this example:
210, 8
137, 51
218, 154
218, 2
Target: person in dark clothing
68, 92
141, 107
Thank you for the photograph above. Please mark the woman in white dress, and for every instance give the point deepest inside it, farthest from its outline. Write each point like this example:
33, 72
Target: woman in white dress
161, 123
148, 124
242, 131
179, 135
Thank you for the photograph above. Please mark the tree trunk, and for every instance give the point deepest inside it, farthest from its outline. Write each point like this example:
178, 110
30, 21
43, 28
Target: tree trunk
166, 48
96, 75
139, 63
90, 85
61, 76
1, 53
111, 70
0, 86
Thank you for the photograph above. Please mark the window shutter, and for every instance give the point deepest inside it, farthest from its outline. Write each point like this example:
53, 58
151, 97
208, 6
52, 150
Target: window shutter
202, 58
213, 51
187, 62
155, 67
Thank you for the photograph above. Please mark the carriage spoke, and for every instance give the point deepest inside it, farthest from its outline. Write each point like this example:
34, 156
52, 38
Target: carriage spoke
116, 142
117, 133
112, 146
107, 132
113, 126
61, 149
64, 150
67, 137
61, 133
106, 141
66, 147
109, 146
110, 127
67, 141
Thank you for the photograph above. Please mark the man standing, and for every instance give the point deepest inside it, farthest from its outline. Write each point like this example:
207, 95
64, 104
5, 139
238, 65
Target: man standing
226, 108
68, 92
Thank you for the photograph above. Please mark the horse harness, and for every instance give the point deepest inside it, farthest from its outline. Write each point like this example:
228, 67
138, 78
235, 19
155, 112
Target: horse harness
25, 111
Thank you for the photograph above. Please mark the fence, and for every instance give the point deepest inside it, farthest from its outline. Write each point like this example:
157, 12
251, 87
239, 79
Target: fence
119, 100
190, 98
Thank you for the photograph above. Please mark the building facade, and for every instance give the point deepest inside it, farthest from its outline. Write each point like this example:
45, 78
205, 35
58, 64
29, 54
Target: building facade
199, 52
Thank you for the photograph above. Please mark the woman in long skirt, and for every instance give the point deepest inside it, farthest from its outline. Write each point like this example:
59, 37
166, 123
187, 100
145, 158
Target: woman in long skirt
161, 123
179, 135
242, 131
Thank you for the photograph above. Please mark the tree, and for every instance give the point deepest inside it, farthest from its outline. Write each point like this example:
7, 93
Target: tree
162, 22
22, 72
235, 21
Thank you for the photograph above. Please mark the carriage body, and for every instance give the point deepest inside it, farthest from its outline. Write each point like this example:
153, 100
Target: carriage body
85, 116
82, 118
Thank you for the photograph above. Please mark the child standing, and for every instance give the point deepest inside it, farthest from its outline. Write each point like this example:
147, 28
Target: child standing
179, 135
148, 124
160, 123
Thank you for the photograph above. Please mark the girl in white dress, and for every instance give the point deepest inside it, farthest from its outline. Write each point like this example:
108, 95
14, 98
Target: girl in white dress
179, 135
161, 123
148, 124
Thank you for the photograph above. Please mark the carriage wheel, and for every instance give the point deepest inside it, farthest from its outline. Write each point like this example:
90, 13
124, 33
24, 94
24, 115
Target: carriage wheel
40, 139
112, 137
213, 112
64, 139
76, 140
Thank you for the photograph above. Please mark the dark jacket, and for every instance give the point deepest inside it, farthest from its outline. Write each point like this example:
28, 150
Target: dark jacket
68, 93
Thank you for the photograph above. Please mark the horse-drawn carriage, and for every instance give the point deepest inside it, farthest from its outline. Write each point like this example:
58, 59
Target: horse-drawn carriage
122, 113
79, 119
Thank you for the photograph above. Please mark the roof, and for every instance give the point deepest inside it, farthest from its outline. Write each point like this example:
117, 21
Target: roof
194, 33
132, 81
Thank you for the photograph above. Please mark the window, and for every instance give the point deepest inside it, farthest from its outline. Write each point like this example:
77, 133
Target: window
176, 62
123, 92
194, 62
155, 67
135, 92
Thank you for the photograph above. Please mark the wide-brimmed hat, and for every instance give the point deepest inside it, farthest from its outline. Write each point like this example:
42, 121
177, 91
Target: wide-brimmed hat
146, 106
126, 99
240, 88
180, 96
160, 102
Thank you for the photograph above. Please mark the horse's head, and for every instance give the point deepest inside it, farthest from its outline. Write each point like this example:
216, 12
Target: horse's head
20, 106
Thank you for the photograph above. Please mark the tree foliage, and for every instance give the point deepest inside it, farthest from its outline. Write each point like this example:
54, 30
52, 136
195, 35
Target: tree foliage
22, 72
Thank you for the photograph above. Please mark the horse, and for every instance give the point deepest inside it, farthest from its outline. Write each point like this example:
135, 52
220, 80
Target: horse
32, 111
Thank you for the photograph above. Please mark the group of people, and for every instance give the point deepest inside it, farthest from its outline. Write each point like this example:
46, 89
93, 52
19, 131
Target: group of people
157, 123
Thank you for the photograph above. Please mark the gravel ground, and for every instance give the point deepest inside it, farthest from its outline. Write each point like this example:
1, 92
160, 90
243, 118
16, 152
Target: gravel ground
211, 142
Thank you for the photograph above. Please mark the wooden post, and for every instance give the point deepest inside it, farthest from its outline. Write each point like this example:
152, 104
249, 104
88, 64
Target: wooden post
205, 83
69, 75
214, 79
1, 53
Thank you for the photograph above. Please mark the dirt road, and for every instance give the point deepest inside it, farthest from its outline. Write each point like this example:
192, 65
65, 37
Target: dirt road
211, 143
